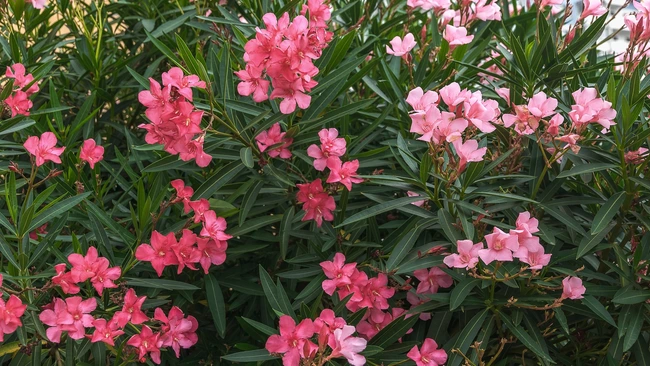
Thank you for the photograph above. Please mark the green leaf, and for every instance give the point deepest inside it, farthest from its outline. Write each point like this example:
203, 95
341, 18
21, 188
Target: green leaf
7, 252
249, 200
265, 329
275, 295
586, 168
465, 338
590, 241
460, 292
249, 356
414, 265
379, 209
285, 231
628, 296
160, 284
634, 325
393, 331
402, 248
246, 155
598, 309
607, 212
216, 304
56, 210
446, 222
526, 339
218, 180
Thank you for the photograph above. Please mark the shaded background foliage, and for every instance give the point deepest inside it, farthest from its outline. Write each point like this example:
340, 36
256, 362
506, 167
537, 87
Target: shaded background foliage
93, 59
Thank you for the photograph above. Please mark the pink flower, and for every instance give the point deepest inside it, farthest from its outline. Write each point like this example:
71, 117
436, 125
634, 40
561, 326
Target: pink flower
131, 310
456, 36
183, 84
541, 106
545, 3
468, 152
416, 300
10, 314
147, 342
376, 293
319, 13
554, 124
591, 109
37, 4
467, 256
375, 320
453, 96
415, 194
401, 47
274, 136
42, 230
293, 94
432, 279
421, 101
104, 276
330, 147
19, 103
183, 194
44, 148
185, 251
338, 273
592, 7
159, 253
91, 153
178, 331
345, 173
526, 225
531, 252
214, 227
21, 80
106, 331
343, 344
253, 82
428, 355
292, 340
318, 205
65, 280
500, 247
71, 315
156, 98
327, 322
211, 251
572, 288
636, 156
84, 267
199, 207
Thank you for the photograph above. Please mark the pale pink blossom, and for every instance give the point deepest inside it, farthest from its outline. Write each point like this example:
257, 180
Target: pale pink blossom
467, 256
500, 246
331, 146
431, 280
468, 151
401, 47
456, 36
343, 344
572, 288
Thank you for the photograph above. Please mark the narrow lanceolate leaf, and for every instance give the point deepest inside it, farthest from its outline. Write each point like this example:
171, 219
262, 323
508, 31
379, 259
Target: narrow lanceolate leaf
598, 309
586, 168
590, 241
218, 180
379, 209
249, 200
526, 339
446, 222
465, 338
7, 252
56, 210
402, 248
634, 325
216, 304
629, 296
285, 231
607, 212
249, 356
461, 290
160, 284
393, 331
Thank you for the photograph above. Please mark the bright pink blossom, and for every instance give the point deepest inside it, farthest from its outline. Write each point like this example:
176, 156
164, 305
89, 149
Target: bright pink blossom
91, 153
376, 293
159, 253
331, 147
183, 84
44, 148
337, 272
131, 310
467, 256
212, 252
253, 82
10, 313
21, 79
428, 354
183, 194
292, 340
344, 173
65, 280
317, 204
500, 246
400, 47
456, 36
71, 315
272, 137
147, 342
343, 344
431, 280
186, 253
214, 227
572, 288
106, 331
178, 331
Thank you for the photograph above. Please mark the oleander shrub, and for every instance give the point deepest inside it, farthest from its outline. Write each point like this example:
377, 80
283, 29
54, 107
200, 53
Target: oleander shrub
317, 182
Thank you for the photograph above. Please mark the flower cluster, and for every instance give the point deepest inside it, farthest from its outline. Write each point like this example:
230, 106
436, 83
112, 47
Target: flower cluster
527, 118
464, 108
10, 313
639, 26
284, 51
23, 87
175, 123
73, 315
89, 267
317, 203
334, 340
274, 142
205, 249
588, 108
